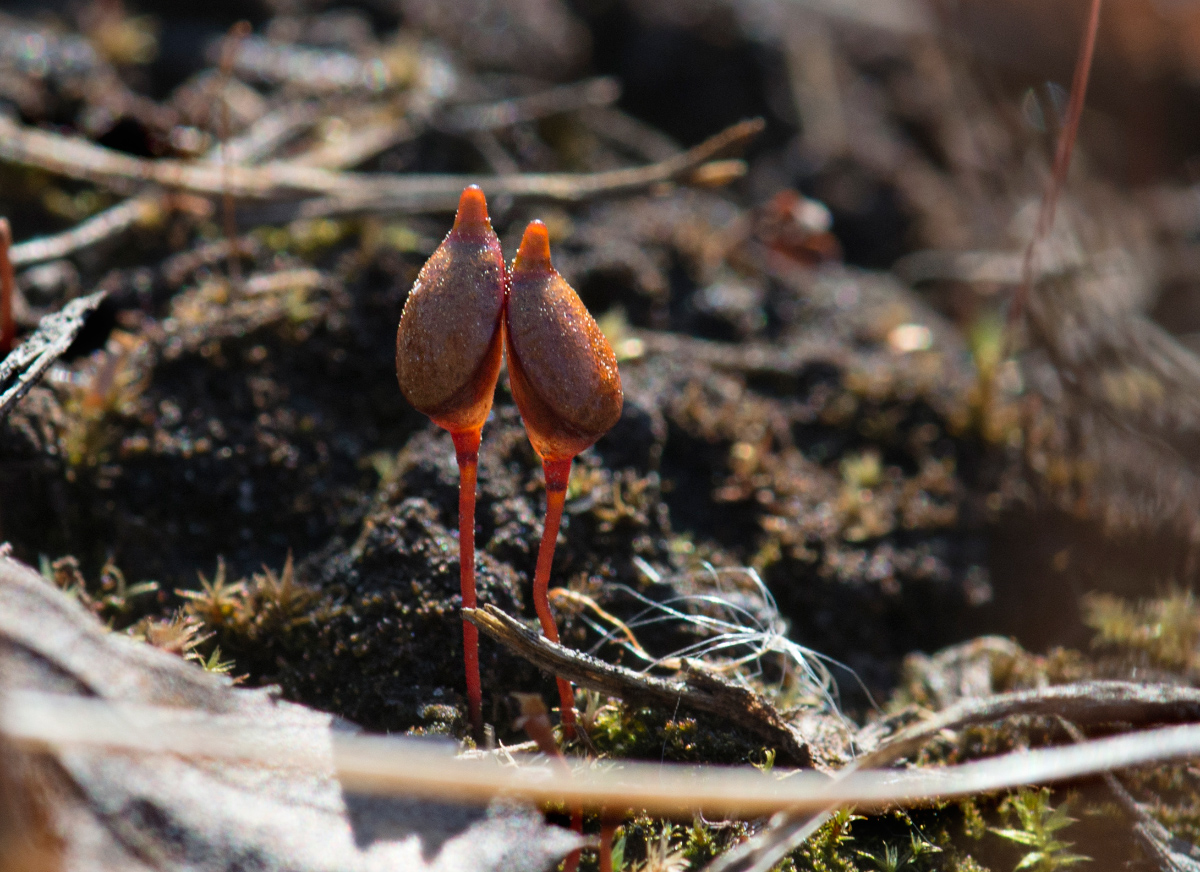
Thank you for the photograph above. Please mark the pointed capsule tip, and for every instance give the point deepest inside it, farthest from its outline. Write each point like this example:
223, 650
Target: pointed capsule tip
534, 252
472, 210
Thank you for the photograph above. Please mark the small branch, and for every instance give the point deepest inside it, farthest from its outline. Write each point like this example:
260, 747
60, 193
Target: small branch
270, 133
1088, 703
263, 138
30, 360
345, 192
699, 690
111, 222
364, 142
1092, 702
417, 193
1156, 840
600, 91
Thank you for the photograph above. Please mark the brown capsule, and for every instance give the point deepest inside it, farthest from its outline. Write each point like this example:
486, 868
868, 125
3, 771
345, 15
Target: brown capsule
449, 343
563, 372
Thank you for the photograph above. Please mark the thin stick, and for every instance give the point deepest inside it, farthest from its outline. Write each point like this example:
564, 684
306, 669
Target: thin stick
601, 91
8, 287
30, 360
698, 690
346, 192
1062, 162
558, 473
112, 221
259, 142
1091, 702
229, 52
466, 450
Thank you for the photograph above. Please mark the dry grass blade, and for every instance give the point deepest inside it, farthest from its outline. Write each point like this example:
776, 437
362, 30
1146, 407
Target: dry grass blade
1092, 702
1156, 839
29, 360
407, 767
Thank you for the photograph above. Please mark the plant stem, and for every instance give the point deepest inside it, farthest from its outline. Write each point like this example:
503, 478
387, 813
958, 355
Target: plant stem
571, 863
536, 724
558, 473
466, 450
1062, 161
8, 327
608, 829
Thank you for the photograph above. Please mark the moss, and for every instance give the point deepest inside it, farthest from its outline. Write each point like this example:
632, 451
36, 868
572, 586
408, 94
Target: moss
966, 863
373, 632
1165, 630
1171, 793
104, 389
621, 730
108, 596
828, 850
974, 826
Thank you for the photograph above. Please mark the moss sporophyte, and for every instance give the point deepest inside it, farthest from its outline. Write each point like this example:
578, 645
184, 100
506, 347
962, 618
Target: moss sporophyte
466, 310
448, 350
566, 385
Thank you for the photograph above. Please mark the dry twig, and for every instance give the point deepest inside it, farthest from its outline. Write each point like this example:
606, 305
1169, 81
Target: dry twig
1092, 703
600, 91
265, 137
1156, 840
699, 690
29, 360
345, 192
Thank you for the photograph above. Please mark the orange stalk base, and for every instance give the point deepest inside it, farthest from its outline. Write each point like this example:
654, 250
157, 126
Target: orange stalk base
558, 473
466, 449
608, 829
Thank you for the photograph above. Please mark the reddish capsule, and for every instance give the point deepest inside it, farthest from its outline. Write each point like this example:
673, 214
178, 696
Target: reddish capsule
563, 371
449, 343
